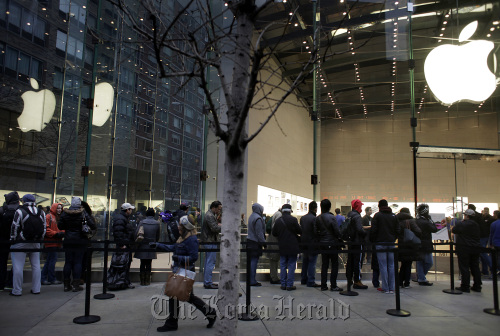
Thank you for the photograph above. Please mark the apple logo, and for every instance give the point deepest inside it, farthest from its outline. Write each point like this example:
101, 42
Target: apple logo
38, 108
457, 73
103, 103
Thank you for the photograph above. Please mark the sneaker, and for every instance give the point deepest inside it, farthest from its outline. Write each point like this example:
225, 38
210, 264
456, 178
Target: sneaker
336, 289
324, 288
380, 289
359, 285
291, 288
406, 286
46, 283
34, 292
275, 282
12, 294
463, 289
55, 282
425, 283
315, 285
283, 287
389, 292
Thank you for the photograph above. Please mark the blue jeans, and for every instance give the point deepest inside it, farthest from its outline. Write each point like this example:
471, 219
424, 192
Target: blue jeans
423, 267
485, 257
49, 269
253, 269
287, 267
386, 267
210, 258
73, 263
308, 274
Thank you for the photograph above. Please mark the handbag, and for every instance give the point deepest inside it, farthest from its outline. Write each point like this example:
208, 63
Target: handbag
180, 284
409, 237
140, 235
87, 232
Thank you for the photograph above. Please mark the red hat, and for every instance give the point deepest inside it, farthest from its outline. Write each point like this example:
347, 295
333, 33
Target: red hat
357, 205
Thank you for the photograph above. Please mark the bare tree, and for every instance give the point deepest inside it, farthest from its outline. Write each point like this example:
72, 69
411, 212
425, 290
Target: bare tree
209, 36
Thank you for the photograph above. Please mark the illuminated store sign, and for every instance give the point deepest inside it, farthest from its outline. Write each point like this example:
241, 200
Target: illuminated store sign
38, 108
460, 72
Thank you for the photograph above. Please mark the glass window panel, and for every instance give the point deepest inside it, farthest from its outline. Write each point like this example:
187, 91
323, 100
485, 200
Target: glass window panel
64, 6
79, 50
61, 40
28, 22
40, 29
14, 15
36, 69
23, 65
11, 58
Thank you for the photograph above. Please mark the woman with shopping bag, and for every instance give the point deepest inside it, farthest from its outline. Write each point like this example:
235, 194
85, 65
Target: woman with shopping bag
185, 255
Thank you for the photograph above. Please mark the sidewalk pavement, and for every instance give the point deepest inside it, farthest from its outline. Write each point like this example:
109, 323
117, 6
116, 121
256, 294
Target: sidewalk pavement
129, 313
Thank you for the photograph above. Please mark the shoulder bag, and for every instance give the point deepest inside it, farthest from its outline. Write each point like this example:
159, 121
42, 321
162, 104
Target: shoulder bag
409, 238
180, 284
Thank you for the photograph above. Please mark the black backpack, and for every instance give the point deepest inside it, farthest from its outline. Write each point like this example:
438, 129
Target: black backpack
6, 221
172, 228
33, 227
345, 230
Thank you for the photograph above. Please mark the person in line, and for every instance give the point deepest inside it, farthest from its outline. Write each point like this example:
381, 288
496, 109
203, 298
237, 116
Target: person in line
185, 251
71, 221
55, 235
151, 229
28, 225
367, 222
485, 225
309, 256
384, 231
468, 243
495, 236
210, 231
255, 240
356, 237
339, 218
7, 212
427, 226
407, 253
327, 231
274, 257
288, 231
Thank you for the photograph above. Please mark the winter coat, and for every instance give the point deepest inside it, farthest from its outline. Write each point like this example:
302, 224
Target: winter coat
308, 235
184, 250
468, 236
408, 253
71, 221
210, 229
287, 230
52, 229
151, 234
495, 233
427, 227
256, 231
327, 229
355, 228
16, 232
123, 230
385, 226
11, 204
274, 256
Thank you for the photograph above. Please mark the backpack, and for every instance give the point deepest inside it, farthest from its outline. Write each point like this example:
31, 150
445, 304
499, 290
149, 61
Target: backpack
33, 227
345, 232
172, 229
269, 224
6, 221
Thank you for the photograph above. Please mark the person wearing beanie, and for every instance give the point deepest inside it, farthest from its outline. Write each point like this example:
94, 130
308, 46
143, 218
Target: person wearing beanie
55, 235
28, 224
185, 252
356, 237
384, 232
427, 226
71, 221
151, 233
407, 253
468, 244
7, 212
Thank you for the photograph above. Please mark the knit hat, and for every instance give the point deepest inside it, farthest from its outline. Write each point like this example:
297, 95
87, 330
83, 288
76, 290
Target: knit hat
286, 207
405, 210
28, 198
383, 203
76, 202
469, 212
186, 223
12, 197
423, 209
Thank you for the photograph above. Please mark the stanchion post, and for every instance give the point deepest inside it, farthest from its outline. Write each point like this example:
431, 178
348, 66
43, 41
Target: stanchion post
104, 295
494, 268
87, 318
452, 289
398, 311
248, 315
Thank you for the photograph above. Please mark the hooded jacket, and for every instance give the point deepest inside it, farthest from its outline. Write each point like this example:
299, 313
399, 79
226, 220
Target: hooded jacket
71, 221
11, 204
256, 225
52, 229
355, 228
385, 226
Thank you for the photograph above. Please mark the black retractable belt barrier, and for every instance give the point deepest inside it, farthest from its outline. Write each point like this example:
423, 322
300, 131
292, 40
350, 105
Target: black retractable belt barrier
398, 311
494, 268
452, 289
87, 318
104, 295
248, 315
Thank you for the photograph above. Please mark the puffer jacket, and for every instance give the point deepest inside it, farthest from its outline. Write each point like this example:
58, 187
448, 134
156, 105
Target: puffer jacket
71, 221
427, 227
123, 231
52, 229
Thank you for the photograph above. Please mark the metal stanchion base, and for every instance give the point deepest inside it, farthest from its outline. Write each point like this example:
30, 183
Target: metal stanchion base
492, 311
349, 293
104, 296
398, 312
248, 317
86, 319
452, 291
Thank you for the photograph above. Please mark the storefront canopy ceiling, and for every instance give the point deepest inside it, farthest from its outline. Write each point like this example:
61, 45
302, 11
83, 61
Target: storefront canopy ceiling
459, 153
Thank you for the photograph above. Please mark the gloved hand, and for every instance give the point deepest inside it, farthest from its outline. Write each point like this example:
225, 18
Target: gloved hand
59, 235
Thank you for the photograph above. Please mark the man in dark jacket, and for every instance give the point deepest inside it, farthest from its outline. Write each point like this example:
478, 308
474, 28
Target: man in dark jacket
72, 220
384, 231
151, 233
6, 218
327, 231
287, 230
468, 244
427, 226
407, 253
210, 231
309, 257
484, 226
356, 237
123, 235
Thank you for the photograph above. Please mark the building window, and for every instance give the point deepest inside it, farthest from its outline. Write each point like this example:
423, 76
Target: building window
162, 132
177, 122
176, 138
21, 65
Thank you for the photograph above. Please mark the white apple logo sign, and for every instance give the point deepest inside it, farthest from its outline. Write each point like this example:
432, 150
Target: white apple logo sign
460, 72
38, 108
103, 103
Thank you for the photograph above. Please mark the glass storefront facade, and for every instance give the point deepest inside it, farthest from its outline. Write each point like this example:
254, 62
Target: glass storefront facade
102, 124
